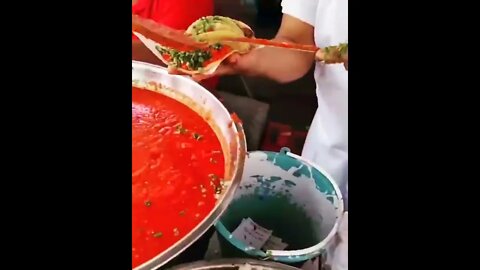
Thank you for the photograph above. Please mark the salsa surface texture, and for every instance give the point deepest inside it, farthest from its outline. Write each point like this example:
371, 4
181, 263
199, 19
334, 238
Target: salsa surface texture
177, 166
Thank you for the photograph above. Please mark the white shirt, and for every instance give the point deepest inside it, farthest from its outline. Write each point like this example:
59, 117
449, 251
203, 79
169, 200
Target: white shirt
327, 140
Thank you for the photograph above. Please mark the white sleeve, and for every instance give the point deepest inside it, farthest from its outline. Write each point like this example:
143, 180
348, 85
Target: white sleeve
304, 10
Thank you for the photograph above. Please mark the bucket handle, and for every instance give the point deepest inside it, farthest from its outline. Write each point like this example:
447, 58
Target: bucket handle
286, 151
237, 243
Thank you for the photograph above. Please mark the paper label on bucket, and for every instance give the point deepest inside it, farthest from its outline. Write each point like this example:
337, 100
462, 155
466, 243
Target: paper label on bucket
274, 243
251, 233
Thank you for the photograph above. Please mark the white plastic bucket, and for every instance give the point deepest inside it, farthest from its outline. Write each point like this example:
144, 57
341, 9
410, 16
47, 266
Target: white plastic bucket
289, 195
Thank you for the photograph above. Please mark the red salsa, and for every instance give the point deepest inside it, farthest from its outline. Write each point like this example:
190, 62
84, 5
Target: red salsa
177, 165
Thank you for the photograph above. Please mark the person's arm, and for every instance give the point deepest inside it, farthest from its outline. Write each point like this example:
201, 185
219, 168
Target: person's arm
284, 65
141, 53
277, 64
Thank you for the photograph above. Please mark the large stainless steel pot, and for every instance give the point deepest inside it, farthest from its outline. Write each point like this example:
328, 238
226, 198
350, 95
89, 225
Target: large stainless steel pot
233, 264
229, 132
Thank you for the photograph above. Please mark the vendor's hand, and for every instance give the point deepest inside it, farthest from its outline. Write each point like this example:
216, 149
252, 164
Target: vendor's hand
345, 61
319, 56
234, 64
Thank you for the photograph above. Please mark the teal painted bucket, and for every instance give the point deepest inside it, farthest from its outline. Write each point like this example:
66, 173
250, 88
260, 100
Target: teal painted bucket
291, 197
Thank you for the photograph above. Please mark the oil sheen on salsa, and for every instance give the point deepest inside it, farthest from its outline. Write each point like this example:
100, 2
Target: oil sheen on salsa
177, 165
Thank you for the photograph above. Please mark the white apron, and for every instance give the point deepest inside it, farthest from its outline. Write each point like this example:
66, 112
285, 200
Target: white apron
327, 140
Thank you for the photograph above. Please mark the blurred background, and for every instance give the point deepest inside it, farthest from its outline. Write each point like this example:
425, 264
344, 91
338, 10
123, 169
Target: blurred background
275, 115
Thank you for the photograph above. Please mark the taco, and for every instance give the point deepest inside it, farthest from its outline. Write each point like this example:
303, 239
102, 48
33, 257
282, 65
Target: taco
211, 30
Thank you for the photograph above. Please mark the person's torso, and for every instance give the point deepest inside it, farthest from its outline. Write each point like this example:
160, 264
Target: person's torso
327, 142
177, 14
331, 28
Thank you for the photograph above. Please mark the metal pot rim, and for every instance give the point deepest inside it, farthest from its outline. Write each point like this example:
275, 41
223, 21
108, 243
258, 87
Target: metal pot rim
220, 207
226, 262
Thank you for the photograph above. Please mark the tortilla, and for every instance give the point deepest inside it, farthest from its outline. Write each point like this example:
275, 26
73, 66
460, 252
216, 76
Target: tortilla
212, 30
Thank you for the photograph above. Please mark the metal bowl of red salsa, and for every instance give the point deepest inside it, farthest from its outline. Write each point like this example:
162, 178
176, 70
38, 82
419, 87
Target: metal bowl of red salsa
187, 159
